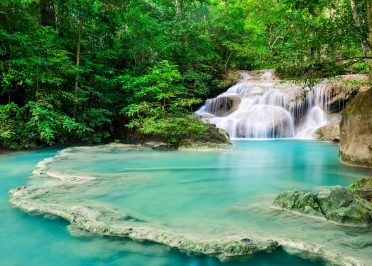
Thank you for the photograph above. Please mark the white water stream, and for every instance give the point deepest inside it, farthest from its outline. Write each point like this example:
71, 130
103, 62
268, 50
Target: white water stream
259, 106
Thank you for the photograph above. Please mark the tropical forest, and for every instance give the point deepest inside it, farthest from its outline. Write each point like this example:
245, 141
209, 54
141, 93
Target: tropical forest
185, 132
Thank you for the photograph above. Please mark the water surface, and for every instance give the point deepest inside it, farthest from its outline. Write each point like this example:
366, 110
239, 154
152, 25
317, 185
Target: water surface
207, 193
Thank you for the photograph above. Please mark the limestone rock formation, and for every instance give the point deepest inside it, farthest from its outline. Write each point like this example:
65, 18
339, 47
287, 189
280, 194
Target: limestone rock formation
356, 131
329, 133
363, 188
299, 201
342, 89
337, 204
215, 138
158, 145
340, 205
222, 105
104, 221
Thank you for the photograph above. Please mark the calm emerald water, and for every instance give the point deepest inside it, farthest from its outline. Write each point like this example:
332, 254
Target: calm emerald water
207, 193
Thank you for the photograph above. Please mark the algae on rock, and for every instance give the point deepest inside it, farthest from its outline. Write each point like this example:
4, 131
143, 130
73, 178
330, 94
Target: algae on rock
337, 204
363, 188
299, 201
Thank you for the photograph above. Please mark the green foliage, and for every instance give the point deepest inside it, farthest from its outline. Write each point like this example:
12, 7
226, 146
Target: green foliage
160, 84
145, 65
48, 125
173, 129
9, 125
35, 123
299, 38
159, 105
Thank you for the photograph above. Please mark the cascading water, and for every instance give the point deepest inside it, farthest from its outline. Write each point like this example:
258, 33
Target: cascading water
261, 107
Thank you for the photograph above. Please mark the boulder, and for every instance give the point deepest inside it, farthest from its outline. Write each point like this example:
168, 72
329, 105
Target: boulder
223, 135
222, 105
337, 204
356, 131
215, 137
329, 133
298, 201
341, 205
363, 188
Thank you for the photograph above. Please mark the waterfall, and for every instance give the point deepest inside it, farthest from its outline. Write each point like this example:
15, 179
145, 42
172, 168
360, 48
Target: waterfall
260, 106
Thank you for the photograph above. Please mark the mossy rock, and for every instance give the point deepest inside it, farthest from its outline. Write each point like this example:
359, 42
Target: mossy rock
341, 205
337, 204
363, 188
298, 201
355, 213
214, 137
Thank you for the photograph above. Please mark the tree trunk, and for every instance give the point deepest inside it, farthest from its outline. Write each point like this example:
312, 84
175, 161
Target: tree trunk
77, 65
178, 5
47, 13
366, 45
37, 87
369, 22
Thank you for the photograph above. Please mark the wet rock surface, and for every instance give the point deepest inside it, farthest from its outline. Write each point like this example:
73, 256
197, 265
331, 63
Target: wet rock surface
223, 105
306, 203
363, 188
356, 131
215, 138
345, 90
93, 218
329, 133
337, 204
158, 145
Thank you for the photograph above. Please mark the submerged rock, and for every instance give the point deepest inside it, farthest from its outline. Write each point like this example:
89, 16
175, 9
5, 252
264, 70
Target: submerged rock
102, 220
158, 145
356, 131
337, 204
62, 194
